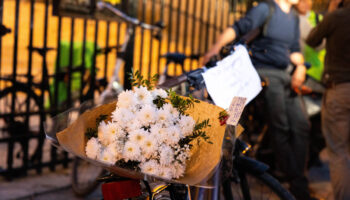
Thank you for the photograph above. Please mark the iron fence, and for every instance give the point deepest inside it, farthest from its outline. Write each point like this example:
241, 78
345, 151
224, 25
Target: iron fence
50, 63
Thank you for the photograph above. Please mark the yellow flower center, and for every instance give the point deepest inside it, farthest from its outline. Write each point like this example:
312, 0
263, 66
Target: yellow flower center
150, 169
130, 149
139, 137
149, 144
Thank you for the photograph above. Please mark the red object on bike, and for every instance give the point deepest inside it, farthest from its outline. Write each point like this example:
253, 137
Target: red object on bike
121, 190
223, 120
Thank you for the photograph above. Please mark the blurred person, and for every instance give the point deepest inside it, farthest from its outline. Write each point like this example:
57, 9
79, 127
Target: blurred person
308, 19
272, 52
336, 100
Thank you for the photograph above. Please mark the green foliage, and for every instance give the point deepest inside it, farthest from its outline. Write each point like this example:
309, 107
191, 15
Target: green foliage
138, 80
100, 118
198, 132
159, 102
132, 165
180, 103
92, 132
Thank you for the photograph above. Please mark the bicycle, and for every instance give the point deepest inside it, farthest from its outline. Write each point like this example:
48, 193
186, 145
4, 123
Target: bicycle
248, 178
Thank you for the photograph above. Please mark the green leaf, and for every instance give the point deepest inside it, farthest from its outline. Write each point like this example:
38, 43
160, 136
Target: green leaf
91, 132
100, 118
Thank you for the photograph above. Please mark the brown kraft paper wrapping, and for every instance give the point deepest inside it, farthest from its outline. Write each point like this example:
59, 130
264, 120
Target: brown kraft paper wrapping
204, 157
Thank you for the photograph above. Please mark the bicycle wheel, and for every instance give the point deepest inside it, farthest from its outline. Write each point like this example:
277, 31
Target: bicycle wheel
249, 184
84, 177
20, 93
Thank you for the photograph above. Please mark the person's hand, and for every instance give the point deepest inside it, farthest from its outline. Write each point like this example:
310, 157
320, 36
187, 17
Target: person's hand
208, 55
227, 36
298, 78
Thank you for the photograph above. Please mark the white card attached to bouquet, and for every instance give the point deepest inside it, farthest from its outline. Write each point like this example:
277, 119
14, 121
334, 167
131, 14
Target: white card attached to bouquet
233, 76
235, 110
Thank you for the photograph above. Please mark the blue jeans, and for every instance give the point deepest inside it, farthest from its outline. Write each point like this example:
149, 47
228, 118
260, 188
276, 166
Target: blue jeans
289, 129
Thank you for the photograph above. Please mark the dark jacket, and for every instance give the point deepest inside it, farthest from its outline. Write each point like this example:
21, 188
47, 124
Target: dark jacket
335, 27
273, 48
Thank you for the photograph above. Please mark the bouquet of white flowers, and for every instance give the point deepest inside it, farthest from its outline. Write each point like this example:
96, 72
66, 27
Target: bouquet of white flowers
148, 131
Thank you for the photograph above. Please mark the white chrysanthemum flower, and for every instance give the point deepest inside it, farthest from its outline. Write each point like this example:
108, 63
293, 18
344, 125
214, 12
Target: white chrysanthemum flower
164, 116
147, 115
149, 147
112, 133
122, 115
93, 148
131, 151
174, 112
173, 135
159, 92
102, 135
150, 167
165, 172
107, 157
133, 125
126, 99
143, 96
183, 156
187, 125
114, 149
178, 169
158, 133
166, 155
138, 136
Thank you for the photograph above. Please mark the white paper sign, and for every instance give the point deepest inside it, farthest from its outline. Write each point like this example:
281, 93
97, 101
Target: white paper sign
235, 110
233, 76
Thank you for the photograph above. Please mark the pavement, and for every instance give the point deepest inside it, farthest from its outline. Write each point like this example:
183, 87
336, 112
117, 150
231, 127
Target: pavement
48, 185
57, 185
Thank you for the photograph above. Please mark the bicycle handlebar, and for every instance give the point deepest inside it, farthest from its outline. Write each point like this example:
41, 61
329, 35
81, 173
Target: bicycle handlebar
101, 5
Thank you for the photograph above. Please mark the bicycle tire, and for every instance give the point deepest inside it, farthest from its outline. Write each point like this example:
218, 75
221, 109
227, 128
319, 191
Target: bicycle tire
244, 186
17, 89
85, 187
